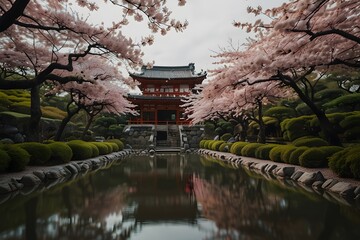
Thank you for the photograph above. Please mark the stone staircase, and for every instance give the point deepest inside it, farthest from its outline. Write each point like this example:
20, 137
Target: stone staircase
172, 136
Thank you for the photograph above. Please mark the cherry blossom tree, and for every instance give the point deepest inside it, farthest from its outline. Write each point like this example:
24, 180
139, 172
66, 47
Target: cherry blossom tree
39, 37
302, 37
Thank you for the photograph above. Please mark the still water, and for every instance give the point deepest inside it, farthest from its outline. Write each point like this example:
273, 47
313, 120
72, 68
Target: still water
175, 197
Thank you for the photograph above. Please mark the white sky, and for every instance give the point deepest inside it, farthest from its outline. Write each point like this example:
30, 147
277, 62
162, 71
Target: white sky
210, 27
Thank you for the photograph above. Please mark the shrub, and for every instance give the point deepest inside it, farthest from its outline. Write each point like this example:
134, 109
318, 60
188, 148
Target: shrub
215, 145
225, 147
226, 136
109, 146
280, 112
262, 152
202, 143
295, 155
313, 158
298, 127
346, 101
114, 146
39, 153
60, 152
350, 121
102, 147
19, 158
95, 150
4, 161
275, 153
81, 150
52, 112
118, 142
285, 154
310, 142
353, 161
352, 133
236, 147
207, 144
249, 149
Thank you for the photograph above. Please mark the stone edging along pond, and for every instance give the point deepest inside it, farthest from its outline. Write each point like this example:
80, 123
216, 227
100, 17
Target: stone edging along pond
320, 181
34, 178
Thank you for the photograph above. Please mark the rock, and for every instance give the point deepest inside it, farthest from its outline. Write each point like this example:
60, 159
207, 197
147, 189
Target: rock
309, 178
28, 189
317, 184
270, 167
72, 169
357, 190
285, 171
40, 174
77, 166
15, 185
53, 174
30, 180
5, 188
260, 166
85, 167
329, 183
296, 175
344, 189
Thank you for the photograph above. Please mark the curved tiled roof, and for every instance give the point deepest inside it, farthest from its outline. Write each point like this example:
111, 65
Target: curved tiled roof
169, 72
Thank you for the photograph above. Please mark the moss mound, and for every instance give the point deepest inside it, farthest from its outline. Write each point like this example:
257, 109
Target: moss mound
81, 150
4, 161
118, 142
60, 152
20, 158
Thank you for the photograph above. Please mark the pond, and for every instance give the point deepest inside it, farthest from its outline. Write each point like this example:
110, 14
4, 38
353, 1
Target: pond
174, 196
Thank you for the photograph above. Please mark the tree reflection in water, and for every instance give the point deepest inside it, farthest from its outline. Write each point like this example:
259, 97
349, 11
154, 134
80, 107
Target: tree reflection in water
195, 196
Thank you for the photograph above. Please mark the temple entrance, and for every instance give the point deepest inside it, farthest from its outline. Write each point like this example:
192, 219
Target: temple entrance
166, 116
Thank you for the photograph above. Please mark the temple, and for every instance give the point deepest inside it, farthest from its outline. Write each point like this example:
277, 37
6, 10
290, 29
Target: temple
162, 88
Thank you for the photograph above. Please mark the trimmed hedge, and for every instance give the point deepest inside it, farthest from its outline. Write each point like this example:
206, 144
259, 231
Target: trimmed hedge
345, 163
263, 152
225, 137
95, 150
286, 153
4, 161
118, 142
276, 152
236, 147
249, 149
81, 150
202, 143
310, 142
103, 148
19, 158
60, 152
295, 155
225, 147
313, 158
40, 153
114, 146
215, 145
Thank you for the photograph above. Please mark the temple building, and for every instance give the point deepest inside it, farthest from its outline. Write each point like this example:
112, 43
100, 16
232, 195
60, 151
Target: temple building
162, 88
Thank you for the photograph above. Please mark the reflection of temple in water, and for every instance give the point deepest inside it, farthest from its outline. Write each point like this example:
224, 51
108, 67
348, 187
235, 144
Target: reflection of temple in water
162, 189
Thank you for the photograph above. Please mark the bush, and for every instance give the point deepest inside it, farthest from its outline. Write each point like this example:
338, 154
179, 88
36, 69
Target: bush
225, 147
313, 158
53, 112
298, 127
350, 121
285, 154
202, 143
60, 152
109, 146
81, 150
4, 161
345, 162
263, 152
39, 153
208, 143
249, 149
118, 142
102, 147
280, 112
276, 152
295, 155
236, 147
215, 145
95, 150
19, 158
114, 146
353, 161
225, 137
310, 142
352, 133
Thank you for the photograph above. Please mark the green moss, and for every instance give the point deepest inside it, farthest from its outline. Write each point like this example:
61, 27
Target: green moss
60, 152
39, 153
4, 161
236, 147
295, 155
249, 149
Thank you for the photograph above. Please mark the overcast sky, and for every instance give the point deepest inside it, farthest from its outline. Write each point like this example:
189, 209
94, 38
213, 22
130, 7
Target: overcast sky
210, 27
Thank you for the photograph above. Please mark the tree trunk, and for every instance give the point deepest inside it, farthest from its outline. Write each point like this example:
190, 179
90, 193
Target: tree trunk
64, 122
87, 127
327, 128
35, 115
261, 135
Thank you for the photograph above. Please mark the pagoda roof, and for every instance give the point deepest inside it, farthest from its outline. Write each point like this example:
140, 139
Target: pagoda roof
144, 97
169, 72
